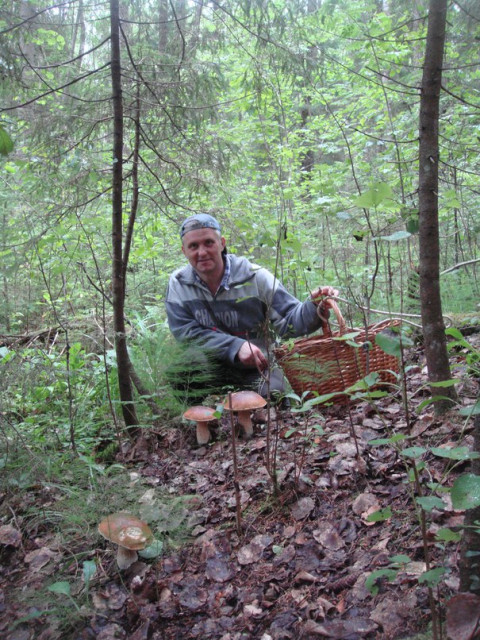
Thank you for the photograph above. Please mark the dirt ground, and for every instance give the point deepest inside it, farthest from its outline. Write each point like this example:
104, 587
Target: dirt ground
266, 563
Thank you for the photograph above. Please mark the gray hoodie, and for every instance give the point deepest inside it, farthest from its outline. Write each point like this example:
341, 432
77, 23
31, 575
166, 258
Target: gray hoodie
251, 303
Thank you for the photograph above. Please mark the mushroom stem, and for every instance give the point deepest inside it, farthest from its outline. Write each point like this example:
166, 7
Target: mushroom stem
245, 421
203, 433
125, 557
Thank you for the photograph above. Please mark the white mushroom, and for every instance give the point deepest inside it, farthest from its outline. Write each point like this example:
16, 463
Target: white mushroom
129, 533
244, 402
201, 416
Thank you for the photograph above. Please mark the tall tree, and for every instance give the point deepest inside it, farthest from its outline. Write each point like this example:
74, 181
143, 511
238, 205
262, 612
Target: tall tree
431, 303
118, 267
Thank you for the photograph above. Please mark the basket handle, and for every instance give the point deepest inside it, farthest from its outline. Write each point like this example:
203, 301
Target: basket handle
327, 331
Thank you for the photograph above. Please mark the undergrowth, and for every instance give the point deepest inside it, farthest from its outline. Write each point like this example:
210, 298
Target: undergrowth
56, 500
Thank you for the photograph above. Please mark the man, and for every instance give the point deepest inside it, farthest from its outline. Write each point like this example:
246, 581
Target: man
229, 305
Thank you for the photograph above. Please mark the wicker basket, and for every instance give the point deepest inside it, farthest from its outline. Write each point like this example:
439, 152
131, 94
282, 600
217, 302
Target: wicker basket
322, 365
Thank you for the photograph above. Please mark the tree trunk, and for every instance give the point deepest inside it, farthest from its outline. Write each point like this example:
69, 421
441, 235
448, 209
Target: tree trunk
431, 305
470, 557
118, 283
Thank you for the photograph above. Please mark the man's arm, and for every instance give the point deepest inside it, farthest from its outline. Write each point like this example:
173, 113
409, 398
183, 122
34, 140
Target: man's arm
290, 317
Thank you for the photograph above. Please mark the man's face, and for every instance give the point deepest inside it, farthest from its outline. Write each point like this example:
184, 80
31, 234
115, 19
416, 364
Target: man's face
203, 249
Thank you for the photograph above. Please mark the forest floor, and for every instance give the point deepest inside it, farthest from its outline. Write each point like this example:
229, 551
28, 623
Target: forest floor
293, 564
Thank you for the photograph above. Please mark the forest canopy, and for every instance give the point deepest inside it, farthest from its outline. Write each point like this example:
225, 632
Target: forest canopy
295, 123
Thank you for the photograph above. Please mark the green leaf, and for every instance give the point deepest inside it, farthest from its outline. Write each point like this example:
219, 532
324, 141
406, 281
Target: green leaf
6, 143
371, 581
430, 502
219, 409
455, 333
347, 336
455, 453
377, 193
401, 559
389, 342
152, 551
309, 404
430, 401
465, 492
447, 535
395, 237
369, 395
471, 410
380, 516
365, 383
398, 437
413, 452
60, 587
432, 577
413, 225
451, 200
89, 570
290, 432
443, 383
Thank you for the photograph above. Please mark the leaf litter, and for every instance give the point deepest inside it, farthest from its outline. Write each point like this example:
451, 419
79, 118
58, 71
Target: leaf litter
300, 565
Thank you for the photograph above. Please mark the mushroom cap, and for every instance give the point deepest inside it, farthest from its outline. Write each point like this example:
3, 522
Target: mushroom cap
245, 401
199, 414
126, 530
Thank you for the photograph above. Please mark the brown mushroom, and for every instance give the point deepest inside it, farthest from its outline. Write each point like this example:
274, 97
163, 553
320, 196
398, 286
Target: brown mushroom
129, 533
244, 402
201, 416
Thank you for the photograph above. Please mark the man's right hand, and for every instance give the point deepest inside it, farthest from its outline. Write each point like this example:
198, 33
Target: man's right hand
251, 356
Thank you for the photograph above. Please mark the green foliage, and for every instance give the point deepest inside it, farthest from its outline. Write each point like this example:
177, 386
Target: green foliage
6, 143
466, 491
244, 122
176, 375
54, 395
472, 355
393, 342
381, 515
371, 581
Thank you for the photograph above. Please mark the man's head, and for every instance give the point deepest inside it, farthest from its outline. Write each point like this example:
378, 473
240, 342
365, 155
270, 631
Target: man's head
203, 245
200, 221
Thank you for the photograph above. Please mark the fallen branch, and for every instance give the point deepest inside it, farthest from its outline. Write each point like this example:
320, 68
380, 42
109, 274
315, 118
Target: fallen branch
46, 336
458, 265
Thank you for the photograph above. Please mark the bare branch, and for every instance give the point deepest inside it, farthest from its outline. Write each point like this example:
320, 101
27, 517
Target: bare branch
460, 264
54, 90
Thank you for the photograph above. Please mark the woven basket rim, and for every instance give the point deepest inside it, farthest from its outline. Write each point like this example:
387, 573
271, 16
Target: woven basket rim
286, 348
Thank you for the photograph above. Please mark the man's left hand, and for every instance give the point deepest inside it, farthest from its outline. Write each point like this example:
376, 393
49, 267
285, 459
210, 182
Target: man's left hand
318, 296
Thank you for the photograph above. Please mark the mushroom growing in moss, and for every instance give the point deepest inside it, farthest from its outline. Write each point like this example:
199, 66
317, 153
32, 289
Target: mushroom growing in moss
129, 533
243, 403
201, 416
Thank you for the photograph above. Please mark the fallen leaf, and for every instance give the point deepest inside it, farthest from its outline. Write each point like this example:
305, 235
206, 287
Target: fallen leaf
112, 632
10, 536
363, 502
302, 508
253, 552
340, 629
193, 597
390, 613
327, 535
253, 611
463, 616
38, 558
304, 576
110, 598
346, 449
